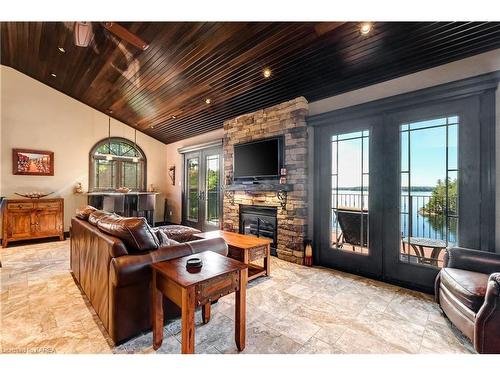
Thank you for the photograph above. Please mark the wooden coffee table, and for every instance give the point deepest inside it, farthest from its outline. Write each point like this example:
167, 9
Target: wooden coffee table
245, 249
218, 277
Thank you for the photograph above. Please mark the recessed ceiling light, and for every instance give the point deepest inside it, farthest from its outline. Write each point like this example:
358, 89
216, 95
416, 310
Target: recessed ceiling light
366, 27
152, 126
53, 75
208, 100
61, 49
110, 111
174, 117
267, 72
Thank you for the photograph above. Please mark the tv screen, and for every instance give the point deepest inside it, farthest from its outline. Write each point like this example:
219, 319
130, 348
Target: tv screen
259, 159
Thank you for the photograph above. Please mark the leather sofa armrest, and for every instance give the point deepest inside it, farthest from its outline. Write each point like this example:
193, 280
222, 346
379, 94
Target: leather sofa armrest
130, 269
217, 245
472, 260
487, 326
493, 289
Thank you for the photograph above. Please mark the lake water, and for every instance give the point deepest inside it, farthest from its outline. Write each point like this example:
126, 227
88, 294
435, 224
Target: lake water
422, 226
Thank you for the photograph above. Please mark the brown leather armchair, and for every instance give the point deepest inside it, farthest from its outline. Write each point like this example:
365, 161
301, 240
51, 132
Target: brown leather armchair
468, 291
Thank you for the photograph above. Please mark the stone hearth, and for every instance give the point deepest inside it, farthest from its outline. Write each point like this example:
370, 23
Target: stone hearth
287, 119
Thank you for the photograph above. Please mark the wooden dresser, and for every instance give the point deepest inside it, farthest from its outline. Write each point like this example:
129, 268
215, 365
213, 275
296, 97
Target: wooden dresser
26, 219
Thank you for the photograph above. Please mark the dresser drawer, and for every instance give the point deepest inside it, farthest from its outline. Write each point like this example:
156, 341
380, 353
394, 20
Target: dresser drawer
48, 205
20, 206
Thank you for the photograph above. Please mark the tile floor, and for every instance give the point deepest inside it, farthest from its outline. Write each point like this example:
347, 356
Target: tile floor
296, 310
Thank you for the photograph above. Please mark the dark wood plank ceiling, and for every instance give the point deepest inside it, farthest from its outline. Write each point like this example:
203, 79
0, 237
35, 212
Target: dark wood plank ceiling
162, 91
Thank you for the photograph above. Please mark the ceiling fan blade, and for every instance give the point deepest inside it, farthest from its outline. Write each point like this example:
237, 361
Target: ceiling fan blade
126, 35
82, 33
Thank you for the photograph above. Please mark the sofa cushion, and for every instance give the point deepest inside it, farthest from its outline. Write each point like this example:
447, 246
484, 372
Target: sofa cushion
97, 215
84, 213
179, 233
467, 286
133, 231
163, 238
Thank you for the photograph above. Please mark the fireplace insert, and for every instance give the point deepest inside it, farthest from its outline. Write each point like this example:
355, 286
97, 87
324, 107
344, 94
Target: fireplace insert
260, 221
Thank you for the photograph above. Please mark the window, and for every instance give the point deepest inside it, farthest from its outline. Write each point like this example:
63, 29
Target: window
212, 187
429, 189
350, 185
125, 168
193, 189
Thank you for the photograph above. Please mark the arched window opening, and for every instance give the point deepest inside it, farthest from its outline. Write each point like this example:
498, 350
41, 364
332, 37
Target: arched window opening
117, 162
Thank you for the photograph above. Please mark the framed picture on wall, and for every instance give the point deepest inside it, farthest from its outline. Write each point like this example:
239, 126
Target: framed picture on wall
32, 162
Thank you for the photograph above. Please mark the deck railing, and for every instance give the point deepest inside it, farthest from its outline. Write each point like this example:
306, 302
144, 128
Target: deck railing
432, 224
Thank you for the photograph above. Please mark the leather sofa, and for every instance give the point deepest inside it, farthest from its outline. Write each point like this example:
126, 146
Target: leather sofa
468, 291
111, 261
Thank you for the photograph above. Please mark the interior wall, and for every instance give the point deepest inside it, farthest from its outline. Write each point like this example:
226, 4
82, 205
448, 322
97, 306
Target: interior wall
35, 116
174, 158
469, 67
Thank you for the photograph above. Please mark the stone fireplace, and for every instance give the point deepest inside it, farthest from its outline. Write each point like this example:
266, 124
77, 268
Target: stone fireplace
287, 120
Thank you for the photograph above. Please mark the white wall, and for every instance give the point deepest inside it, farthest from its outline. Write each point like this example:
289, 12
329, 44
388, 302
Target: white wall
36, 116
174, 193
469, 67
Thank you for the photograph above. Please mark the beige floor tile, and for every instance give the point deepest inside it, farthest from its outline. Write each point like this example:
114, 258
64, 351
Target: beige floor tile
295, 310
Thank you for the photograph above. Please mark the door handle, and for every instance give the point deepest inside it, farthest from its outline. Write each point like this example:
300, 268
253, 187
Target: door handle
201, 196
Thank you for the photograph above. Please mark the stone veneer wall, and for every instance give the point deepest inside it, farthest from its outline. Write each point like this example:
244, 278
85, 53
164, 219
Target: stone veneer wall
286, 119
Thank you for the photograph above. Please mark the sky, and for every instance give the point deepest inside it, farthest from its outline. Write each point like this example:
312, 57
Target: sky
427, 156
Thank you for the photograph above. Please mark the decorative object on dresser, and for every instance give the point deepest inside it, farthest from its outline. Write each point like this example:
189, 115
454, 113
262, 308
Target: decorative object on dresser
32, 162
219, 276
34, 195
246, 249
26, 219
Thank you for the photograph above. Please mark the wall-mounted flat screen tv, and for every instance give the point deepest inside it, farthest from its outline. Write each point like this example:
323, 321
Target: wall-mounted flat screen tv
260, 159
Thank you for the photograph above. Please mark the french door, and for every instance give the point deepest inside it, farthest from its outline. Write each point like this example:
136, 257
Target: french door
349, 197
202, 203
432, 188
392, 191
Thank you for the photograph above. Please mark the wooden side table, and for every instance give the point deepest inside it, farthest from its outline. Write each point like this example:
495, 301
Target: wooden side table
246, 249
219, 276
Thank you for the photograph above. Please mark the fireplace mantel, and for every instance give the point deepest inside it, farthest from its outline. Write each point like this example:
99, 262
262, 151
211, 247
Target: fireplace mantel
281, 190
264, 186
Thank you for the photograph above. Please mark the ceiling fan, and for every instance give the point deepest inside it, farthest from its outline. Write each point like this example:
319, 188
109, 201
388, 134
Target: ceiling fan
84, 33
